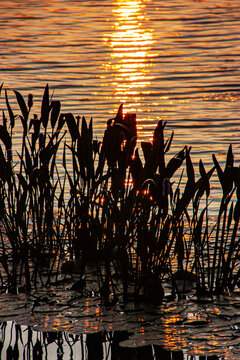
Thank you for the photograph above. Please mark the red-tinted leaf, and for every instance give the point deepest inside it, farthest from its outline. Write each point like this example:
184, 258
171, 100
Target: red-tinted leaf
131, 124
147, 149
119, 116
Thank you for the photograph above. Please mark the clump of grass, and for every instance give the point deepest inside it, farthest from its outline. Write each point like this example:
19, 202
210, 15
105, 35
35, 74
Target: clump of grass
28, 191
217, 248
70, 197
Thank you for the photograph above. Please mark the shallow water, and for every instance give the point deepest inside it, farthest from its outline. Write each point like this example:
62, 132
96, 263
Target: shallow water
61, 322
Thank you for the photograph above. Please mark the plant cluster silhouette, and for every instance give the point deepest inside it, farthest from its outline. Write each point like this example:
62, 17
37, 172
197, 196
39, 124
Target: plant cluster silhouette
67, 199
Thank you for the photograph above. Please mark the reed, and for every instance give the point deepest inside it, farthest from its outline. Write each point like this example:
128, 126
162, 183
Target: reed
139, 216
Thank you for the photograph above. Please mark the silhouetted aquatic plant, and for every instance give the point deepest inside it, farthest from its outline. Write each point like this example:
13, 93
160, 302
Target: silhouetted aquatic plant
138, 214
28, 191
212, 249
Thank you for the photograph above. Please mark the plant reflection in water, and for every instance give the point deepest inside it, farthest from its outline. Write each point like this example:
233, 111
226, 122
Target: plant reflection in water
23, 342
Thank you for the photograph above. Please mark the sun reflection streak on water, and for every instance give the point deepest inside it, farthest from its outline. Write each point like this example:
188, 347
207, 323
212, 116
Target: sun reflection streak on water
131, 55
173, 334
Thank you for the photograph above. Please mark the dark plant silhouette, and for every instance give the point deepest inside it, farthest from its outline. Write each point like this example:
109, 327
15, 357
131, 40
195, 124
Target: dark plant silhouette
67, 200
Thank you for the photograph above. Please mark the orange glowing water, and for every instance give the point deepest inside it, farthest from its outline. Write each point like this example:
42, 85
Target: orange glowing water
175, 60
178, 60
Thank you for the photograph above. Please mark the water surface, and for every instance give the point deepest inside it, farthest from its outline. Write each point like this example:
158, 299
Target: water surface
175, 60
64, 324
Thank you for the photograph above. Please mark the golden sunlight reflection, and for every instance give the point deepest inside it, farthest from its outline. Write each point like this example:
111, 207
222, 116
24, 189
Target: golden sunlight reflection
173, 334
131, 55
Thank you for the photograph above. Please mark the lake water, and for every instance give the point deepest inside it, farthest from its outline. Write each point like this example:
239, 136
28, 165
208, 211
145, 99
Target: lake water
176, 60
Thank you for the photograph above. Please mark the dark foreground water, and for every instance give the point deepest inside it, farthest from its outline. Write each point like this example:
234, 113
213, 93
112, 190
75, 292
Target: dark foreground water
23, 342
71, 325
